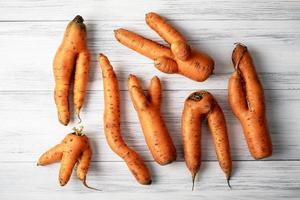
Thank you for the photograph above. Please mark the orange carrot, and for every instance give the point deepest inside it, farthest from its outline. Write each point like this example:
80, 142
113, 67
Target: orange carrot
112, 124
72, 52
74, 149
246, 98
200, 105
155, 131
180, 58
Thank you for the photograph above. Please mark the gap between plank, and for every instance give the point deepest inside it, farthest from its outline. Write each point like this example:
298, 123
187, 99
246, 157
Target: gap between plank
179, 161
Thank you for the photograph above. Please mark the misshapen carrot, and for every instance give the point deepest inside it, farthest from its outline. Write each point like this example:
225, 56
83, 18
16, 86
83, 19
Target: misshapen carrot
74, 149
72, 53
200, 105
112, 124
246, 98
179, 46
180, 58
155, 131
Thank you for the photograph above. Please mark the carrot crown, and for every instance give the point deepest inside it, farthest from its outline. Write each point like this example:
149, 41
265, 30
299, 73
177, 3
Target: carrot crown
244, 50
78, 20
197, 96
78, 131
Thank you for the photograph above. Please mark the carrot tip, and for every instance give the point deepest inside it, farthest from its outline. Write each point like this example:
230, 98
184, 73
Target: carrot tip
149, 14
79, 118
155, 77
193, 180
116, 31
228, 182
62, 183
131, 76
89, 187
150, 182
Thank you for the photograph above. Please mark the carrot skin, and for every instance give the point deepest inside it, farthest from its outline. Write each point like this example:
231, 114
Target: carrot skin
154, 129
52, 155
217, 125
112, 124
142, 45
81, 80
245, 86
72, 149
84, 163
72, 52
179, 46
180, 58
197, 106
236, 94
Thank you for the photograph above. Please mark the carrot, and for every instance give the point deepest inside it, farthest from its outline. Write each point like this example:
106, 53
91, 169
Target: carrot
180, 58
74, 149
155, 131
246, 98
179, 45
72, 52
197, 106
112, 124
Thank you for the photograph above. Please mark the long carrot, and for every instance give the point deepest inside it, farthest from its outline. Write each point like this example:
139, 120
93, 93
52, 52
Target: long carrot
155, 131
112, 124
72, 53
180, 58
246, 98
200, 105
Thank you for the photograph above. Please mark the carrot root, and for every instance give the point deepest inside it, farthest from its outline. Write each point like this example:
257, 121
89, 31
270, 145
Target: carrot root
154, 129
112, 124
246, 99
73, 149
179, 58
89, 187
199, 105
71, 56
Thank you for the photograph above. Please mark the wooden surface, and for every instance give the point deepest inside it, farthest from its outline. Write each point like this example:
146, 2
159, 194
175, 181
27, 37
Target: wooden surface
30, 32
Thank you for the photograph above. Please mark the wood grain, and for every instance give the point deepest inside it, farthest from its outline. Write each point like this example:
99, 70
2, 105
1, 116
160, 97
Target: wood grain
114, 10
37, 124
30, 32
257, 178
27, 50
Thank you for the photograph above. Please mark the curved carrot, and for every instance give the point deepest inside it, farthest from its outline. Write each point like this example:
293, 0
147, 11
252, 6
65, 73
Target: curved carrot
180, 58
72, 52
197, 106
179, 46
112, 124
155, 131
246, 98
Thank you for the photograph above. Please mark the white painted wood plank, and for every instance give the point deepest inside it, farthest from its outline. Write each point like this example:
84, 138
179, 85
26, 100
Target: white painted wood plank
27, 51
30, 32
260, 179
30, 119
133, 10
